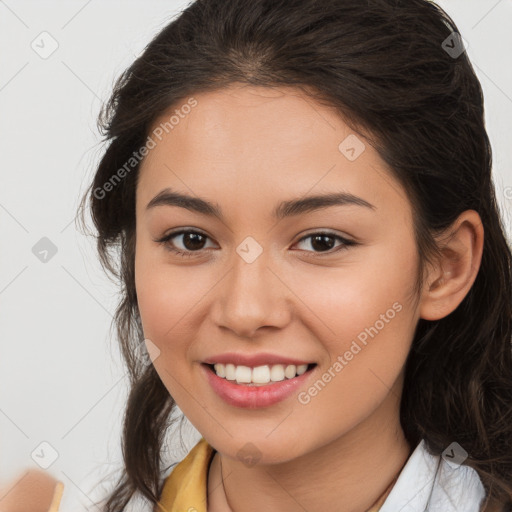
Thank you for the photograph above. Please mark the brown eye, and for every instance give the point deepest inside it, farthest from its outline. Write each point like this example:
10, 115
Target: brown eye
192, 242
324, 242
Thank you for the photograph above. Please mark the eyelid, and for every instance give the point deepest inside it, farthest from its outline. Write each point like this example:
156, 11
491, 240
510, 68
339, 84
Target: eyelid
180, 231
324, 231
346, 242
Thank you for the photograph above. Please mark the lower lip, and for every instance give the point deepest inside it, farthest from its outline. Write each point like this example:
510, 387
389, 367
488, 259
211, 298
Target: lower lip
253, 397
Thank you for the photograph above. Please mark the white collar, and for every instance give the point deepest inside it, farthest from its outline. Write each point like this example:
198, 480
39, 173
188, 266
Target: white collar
428, 483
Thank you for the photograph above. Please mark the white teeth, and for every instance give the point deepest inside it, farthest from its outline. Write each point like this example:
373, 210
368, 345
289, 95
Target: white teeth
220, 370
277, 373
243, 374
290, 371
259, 375
301, 369
229, 371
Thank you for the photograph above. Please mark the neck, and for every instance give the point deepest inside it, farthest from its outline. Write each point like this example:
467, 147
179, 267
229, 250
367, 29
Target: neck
349, 473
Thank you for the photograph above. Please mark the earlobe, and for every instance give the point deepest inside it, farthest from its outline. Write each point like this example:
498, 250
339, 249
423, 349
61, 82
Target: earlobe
450, 280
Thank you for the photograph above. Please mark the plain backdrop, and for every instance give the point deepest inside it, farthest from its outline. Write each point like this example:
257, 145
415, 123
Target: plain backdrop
62, 382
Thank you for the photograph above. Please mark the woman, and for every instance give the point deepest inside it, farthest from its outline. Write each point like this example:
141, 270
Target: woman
311, 250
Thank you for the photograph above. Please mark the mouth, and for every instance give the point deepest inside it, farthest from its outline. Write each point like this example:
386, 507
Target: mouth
263, 375
254, 387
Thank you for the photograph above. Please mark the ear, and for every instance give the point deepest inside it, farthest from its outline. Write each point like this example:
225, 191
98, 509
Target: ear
451, 278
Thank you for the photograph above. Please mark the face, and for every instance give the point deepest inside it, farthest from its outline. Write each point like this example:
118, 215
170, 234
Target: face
323, 283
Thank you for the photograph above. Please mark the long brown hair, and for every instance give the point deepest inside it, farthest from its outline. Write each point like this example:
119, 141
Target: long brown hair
387, 68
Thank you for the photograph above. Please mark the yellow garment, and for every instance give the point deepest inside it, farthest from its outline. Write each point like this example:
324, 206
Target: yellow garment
57, 497
185, 489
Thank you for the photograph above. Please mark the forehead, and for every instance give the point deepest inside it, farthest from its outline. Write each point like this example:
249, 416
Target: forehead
262, 142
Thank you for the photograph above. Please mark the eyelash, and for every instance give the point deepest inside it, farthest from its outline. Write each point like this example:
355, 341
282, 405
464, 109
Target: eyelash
190, 254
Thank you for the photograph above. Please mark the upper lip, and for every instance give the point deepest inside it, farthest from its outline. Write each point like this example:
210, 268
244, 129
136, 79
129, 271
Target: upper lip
253, 360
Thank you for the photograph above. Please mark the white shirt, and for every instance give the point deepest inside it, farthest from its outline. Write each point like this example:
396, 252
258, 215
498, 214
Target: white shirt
429, 483
426, 484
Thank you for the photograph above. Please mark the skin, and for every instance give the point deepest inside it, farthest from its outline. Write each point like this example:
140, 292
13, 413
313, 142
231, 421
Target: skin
31, 491
247, 149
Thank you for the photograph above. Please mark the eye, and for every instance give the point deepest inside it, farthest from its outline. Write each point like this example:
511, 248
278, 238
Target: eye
324, 241
192, 240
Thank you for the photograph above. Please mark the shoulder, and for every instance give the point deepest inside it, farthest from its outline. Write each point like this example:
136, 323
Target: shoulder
187, 482
430, 483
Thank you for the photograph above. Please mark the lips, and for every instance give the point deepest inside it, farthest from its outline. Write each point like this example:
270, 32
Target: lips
253, 360
250, 396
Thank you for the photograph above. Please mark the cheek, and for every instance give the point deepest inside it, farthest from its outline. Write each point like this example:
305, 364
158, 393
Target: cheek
366, 329
164, 298
365, 310
169, 298
160, 295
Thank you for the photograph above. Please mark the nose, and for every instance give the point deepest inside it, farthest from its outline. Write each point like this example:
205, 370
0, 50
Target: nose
251, 297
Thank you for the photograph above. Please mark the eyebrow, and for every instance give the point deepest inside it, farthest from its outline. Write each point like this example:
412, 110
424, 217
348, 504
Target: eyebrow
168, 197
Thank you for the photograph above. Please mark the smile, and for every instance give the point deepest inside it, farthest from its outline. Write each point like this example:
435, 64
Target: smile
259, 375
251, 394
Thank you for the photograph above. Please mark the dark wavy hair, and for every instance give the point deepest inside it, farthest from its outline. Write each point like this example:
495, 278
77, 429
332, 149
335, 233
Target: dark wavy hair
384, 65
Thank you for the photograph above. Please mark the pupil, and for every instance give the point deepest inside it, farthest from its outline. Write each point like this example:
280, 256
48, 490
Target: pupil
194, 237
322, 239
321, 242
